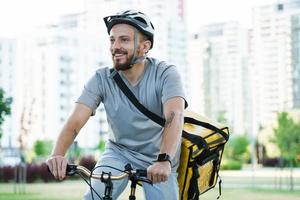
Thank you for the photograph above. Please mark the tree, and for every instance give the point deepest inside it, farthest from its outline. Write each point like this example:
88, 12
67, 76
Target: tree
236, 152
5, 109
287, 138
237, 148
42, 147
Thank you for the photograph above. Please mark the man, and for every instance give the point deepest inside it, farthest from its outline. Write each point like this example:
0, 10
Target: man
135, 139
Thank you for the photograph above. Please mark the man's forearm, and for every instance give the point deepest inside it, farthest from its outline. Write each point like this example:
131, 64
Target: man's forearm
72, 127
172, 133
65, 139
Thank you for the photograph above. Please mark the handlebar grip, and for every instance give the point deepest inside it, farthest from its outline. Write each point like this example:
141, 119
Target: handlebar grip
141, 172
71, 169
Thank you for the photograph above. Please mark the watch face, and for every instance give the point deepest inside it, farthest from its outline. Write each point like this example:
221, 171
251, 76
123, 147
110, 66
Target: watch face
162, 157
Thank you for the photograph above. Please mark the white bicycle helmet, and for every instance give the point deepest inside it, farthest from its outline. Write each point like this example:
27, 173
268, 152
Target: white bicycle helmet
134, 18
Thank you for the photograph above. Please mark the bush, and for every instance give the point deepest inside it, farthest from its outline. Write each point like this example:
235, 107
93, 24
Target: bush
88, 162
231, 165
7, 173
32, 171
237, 149
45, 175
35, 172
272, 162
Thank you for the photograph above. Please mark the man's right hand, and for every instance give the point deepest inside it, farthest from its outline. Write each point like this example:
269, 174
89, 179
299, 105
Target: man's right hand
57, 166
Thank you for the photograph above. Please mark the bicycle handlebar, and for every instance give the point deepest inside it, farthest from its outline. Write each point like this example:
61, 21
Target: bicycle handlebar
135, 176
73, 169
138, 174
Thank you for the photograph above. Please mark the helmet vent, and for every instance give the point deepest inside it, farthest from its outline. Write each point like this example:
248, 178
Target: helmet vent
152, 25
141, 20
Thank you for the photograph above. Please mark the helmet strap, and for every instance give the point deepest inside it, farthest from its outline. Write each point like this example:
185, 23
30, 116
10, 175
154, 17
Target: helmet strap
136, 59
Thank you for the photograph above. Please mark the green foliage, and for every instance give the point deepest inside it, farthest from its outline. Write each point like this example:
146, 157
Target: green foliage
43, 147
231, 165
222, 117
287, 136
101, 145
74, 151
236, 149
5, 108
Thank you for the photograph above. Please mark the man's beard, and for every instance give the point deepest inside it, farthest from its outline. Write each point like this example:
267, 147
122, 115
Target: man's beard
122, 66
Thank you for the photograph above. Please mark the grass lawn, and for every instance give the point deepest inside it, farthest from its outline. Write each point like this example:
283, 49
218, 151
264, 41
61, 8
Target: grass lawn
251, 194
74, 189
68, 190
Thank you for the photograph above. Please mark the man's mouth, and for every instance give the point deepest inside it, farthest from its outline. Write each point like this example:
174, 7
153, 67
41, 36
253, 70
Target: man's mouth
119, 55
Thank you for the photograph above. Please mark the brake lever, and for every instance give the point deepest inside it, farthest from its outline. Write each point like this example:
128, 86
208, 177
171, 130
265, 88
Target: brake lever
145, 180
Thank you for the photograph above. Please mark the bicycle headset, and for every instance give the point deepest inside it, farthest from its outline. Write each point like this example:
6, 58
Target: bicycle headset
136, 19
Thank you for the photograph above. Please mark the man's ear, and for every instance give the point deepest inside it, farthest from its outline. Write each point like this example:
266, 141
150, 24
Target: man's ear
146, 46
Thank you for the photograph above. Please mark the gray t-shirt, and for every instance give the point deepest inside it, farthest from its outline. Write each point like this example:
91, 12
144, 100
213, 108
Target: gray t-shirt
133, 133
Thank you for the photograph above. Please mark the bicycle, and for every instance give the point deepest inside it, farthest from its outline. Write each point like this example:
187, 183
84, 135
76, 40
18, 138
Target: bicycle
135, 176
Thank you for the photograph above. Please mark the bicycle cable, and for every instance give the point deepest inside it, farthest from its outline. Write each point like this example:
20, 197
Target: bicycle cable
90, 178
120, 170
89, 183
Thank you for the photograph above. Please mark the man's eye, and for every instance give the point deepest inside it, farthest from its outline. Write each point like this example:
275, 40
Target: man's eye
112, 40
125, 40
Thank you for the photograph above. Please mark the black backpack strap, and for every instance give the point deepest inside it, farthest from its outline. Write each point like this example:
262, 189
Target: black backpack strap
193, 192
220, 183
154, 117
206, 125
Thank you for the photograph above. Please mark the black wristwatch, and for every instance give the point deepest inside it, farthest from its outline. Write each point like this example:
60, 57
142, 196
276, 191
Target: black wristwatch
164, 157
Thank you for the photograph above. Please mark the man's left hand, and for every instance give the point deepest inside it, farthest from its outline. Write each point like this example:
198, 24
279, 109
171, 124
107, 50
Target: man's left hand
159, 171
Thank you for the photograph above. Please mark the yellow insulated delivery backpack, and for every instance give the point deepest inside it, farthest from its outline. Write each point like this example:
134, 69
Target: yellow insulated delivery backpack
201, 153
201, 148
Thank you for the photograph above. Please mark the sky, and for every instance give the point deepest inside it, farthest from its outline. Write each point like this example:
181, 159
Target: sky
19, 16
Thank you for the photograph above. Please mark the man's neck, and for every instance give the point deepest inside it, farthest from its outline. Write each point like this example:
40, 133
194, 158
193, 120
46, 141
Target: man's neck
133, 74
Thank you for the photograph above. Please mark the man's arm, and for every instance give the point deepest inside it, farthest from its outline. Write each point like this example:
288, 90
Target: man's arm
173, 112
57, 162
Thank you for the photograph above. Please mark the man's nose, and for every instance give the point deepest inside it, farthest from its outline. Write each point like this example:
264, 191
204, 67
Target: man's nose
115, 45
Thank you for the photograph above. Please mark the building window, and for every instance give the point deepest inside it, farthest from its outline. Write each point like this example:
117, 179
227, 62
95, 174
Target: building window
280, 7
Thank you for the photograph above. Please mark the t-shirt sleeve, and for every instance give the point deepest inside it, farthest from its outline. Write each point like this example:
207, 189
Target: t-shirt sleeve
92, 94
172, 84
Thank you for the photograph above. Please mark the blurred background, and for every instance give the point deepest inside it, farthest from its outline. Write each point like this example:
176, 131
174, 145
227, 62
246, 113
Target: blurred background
239, 60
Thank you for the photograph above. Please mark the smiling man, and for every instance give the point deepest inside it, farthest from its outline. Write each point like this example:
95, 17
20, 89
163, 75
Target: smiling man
134, 138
